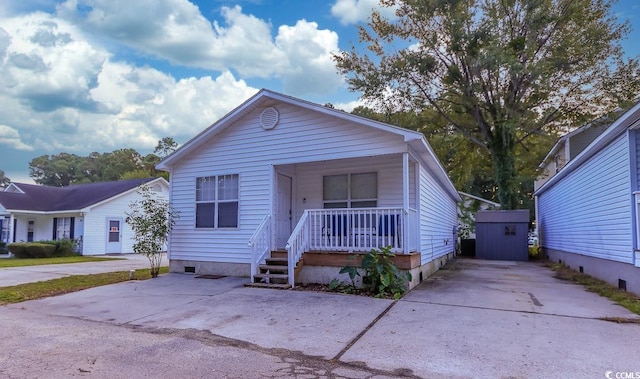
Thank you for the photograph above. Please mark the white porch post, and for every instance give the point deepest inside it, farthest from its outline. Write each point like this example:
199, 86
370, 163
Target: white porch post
10, 230
405, 202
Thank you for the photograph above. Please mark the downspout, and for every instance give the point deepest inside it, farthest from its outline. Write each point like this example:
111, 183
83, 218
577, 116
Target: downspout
635, 196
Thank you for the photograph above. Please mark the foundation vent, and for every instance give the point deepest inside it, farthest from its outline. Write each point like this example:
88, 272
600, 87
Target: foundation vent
622, 284
190, 269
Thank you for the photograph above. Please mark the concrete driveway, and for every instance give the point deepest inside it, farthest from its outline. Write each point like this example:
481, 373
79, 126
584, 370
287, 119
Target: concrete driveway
473, 319
11, 276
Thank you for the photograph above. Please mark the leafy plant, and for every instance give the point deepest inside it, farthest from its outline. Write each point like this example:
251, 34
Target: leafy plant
382, 276
353, 274
152, 219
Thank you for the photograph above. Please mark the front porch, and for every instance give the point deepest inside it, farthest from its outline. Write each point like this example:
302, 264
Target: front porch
336, 234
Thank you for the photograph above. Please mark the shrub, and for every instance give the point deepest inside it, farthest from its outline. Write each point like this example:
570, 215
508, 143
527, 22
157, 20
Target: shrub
64, 247
534, 253
380, 276
32, 249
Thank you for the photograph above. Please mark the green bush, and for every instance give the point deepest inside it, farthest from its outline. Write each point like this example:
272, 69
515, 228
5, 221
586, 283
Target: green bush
32, 249
64, 247
534, 253
380, 276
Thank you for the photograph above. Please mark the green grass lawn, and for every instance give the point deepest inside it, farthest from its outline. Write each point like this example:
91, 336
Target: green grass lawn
602, 288
38, 290
18, 262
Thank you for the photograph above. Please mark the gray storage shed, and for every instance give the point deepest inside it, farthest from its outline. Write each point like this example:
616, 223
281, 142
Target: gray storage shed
502, 235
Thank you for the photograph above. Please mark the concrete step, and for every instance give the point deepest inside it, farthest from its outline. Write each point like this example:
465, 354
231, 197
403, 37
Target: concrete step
271, 276
277, 268
277, 261
269, 285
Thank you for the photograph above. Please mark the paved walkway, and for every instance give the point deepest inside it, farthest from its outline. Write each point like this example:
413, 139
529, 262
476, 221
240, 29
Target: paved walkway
472, 319
11, 276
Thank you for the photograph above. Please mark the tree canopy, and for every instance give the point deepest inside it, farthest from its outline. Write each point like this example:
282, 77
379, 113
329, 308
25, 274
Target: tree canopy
503, 75
4, 181
64, 169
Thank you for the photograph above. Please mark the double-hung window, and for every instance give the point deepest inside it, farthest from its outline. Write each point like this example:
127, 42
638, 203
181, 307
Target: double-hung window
217, 201
63, 227
350, 190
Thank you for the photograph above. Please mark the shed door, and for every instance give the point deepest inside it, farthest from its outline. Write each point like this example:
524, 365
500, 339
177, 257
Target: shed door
114, 235
283, 211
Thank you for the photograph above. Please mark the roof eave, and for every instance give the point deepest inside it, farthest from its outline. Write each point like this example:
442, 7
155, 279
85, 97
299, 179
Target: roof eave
622, 123
165, 164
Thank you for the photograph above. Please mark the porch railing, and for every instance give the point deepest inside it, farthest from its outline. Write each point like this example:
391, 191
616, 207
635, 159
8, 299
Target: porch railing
297, 244
260, 244
362, 229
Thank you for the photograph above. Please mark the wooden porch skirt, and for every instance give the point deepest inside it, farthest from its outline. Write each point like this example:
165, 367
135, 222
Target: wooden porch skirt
341, 259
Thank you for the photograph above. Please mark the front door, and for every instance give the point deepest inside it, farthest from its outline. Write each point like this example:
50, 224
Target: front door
283, 211
114, 235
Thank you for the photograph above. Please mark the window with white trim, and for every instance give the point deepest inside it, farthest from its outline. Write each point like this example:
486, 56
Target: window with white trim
358, 190
62, 228
217, 201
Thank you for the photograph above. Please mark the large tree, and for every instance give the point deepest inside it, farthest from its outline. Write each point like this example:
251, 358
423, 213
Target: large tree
498, 71
4, 181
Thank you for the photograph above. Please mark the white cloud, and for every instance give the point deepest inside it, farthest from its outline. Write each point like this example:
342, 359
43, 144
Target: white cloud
61, 92
310, 68
354, 11
175, 30
11, 138
350, 106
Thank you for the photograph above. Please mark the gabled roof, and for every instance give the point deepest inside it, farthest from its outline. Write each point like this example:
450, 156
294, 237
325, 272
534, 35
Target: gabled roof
628, 119
598, 125
480, 199
39, 198
266, 98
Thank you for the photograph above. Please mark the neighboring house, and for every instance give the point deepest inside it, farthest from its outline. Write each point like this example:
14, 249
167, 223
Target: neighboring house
92, 214
279, 173
588, 212
570, 145
467, 210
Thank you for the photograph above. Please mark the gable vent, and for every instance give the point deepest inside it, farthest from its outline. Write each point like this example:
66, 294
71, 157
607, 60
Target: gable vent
269, 118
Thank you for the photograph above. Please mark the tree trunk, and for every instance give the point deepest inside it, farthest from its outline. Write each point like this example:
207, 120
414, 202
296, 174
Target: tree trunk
504, 165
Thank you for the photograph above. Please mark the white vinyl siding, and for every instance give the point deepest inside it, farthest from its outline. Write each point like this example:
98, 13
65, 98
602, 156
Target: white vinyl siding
246, 149
438, 217
94, 223
589, 211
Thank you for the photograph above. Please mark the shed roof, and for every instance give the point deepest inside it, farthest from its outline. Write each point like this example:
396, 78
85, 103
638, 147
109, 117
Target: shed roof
39, 198
511, 216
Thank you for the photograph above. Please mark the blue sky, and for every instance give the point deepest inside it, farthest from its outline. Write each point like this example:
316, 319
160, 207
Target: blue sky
78, 76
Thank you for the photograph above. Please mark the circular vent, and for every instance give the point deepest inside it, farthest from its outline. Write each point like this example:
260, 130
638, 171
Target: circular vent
269, 118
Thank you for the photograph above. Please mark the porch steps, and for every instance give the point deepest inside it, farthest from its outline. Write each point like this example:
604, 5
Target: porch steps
274, 273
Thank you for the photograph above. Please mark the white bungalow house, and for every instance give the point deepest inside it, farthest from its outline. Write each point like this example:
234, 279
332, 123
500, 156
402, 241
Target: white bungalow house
92, 214
316, 184
588, 212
